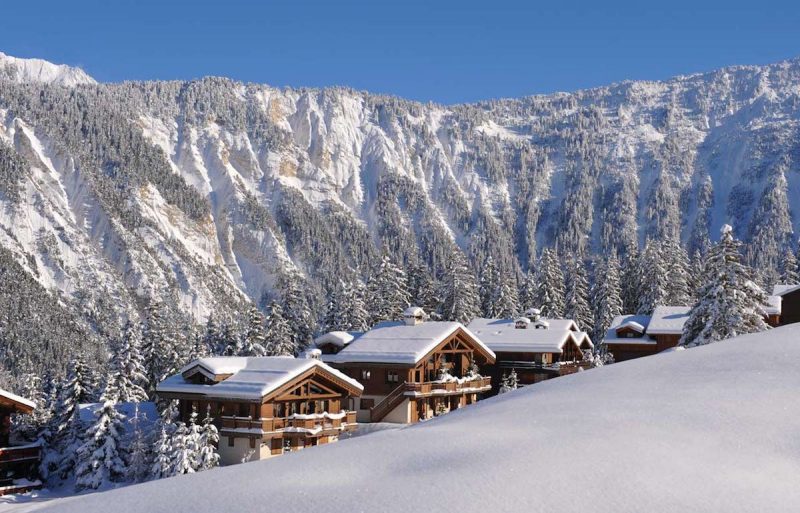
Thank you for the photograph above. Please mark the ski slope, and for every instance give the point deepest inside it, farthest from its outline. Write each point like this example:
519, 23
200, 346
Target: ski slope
715, 428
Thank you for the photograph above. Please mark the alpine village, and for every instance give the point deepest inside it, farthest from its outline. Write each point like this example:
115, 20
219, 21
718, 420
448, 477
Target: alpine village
263, 391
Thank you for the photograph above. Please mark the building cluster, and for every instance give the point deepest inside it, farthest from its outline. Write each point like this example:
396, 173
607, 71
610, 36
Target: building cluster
633, 336
400, 372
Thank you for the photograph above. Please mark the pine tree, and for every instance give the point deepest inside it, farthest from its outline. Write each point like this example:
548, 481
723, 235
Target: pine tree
158, 346
208, 457
730, 303
227, 341
387, 290
499, 296
356, 316
296, 309
577, 296
606, 298
140, 457
279, 337
162, 454
423, 288
527, 294
212, 338
99, 460
460, 301
550, 291
653, 276
630, 281
254, 340
696, 275
790, 272
129, 378
513, 381
678, 276
504, 384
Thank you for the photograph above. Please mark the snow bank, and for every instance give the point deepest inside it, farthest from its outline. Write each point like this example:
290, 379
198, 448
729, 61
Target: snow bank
714, 428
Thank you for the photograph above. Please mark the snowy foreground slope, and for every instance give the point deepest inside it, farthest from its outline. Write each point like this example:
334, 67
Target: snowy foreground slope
715, 428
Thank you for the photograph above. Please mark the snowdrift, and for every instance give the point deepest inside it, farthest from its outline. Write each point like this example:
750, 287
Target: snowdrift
716, 428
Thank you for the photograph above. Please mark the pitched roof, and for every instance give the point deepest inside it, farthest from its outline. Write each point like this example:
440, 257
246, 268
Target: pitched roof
397, 342
782, 289
336, 338
668, 320
16, 402
251, 377
502, 336
628, 320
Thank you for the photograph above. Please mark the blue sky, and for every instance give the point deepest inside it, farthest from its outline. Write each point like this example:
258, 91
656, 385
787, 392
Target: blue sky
439, 50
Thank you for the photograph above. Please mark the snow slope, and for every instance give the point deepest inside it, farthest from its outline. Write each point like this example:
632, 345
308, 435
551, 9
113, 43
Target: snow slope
711, 429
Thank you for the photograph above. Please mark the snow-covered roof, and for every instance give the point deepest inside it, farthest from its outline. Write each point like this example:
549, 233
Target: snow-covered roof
336, 338
774, 304
26, 404
625, 320
501, 335
146, 410
635, 326
251, 377
398, 342
668, 320
582, 337
782, 289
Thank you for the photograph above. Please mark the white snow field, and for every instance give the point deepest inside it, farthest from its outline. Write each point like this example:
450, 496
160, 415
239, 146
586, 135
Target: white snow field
714, 428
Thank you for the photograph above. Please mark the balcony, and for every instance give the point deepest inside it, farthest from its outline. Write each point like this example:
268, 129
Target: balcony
23, 453
448, 387
312, 424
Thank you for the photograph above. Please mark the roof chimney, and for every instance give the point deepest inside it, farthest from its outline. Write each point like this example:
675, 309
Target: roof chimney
522, 323
533, 314
413, 315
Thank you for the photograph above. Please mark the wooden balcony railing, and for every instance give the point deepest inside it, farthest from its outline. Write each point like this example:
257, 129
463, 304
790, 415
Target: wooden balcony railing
429, 387
308, 422
32, 452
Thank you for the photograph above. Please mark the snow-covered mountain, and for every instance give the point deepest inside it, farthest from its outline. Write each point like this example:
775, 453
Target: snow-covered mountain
38, 70
708, 429
206, 193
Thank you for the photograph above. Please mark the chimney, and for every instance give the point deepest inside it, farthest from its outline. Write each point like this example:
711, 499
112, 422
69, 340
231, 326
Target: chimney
413, 315
522, 323
533, 314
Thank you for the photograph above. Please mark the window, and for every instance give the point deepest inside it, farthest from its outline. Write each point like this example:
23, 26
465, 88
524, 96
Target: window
244, 410
366, 404
365, 375
392, 377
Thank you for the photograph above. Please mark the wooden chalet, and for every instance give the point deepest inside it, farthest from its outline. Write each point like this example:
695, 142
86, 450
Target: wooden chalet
19, 463
265, 406
535, 348
414, 369
789, 303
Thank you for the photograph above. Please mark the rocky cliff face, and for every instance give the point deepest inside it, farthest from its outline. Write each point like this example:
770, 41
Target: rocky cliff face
205, 193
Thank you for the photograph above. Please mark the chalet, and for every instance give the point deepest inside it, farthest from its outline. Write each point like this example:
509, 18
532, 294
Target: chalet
265, 406
536, 348
414, 369
789, 301
19, 463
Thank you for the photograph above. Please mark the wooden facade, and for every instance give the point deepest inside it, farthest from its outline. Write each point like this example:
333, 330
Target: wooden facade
790, 307
410, 393
313, 408
19, 464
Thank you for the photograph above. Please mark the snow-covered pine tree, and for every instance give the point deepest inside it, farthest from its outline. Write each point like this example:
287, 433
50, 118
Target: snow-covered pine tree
513, 380
212, 336
296, 309
487, 284
653, 278
387, 291
140, 455
678, 277
730, 302
499, 295
504, 386
208, 457
550, 291
162, 454
335, 309
576, 300
696, 275
606, 298
253, 341
185, 448
460, 301
279, 337
356, 316
129, 378
227, 341
630, 281
527, 293
790, 272
423, 288
65, 427
100, 460
158, 346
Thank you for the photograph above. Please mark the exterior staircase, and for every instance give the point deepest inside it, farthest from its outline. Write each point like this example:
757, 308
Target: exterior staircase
389, 403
